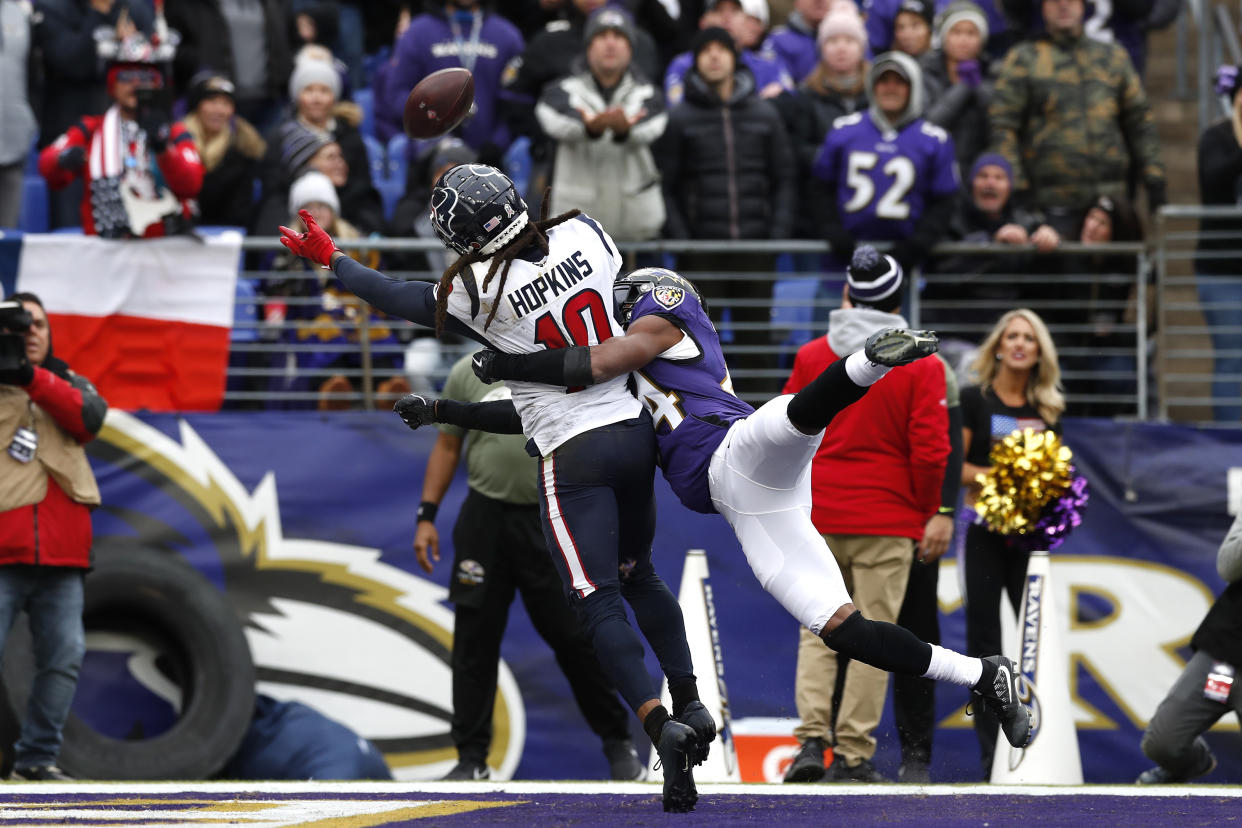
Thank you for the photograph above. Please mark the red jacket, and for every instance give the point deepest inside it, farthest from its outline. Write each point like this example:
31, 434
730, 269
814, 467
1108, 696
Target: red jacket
178, 163
56, 531
881, 464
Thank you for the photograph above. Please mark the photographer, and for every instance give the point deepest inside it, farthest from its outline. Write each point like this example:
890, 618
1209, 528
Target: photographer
141, 170
47, 491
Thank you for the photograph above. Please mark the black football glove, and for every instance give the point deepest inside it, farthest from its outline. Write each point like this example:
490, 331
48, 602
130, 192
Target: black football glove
416, 410
71, 159
484, 365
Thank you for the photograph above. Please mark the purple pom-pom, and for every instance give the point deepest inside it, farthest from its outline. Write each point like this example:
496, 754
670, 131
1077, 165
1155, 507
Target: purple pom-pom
1058, 518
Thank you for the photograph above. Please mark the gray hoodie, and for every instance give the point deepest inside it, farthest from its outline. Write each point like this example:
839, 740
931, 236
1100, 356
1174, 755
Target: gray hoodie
848, 328
908, 68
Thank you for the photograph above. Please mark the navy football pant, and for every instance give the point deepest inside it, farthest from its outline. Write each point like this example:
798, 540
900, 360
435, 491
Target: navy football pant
598, 509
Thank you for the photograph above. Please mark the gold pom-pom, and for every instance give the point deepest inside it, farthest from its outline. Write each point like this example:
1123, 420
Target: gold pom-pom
1029, 470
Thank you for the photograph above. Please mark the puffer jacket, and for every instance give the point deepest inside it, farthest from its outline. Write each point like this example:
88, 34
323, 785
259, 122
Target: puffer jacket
613, 179
728, 167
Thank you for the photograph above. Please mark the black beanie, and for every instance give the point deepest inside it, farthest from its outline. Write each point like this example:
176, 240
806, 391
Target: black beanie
712, 34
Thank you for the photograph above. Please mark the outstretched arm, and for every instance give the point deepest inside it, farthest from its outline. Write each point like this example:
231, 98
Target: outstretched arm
496, 416
646, 339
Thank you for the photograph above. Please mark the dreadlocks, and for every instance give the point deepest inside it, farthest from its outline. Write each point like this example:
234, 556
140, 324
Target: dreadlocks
535, 232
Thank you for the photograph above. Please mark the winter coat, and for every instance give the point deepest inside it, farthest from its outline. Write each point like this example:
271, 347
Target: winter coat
205, 43
613, 179
231, 166
728, 166
960, 109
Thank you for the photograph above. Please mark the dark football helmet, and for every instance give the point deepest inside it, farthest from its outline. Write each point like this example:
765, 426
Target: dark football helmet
628, 288
476, 208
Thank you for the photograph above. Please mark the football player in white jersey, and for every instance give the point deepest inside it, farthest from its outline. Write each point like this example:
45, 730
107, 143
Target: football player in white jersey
523, 286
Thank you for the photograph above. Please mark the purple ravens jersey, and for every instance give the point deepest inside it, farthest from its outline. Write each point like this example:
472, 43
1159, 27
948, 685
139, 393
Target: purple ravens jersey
689, 393
883, 178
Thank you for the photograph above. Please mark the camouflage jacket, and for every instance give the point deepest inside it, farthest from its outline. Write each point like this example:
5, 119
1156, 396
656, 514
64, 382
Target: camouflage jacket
1071, 116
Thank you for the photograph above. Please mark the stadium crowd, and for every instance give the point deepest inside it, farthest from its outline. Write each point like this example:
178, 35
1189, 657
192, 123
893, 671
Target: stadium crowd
703, 120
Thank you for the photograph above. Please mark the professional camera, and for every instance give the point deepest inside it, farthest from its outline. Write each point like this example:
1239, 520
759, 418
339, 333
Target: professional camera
15, 320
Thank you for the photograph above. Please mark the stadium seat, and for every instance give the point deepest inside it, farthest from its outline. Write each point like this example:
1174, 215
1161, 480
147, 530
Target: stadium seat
34, 210
375, 155
365, 99
793, 303
517, 164
398, 157
32, 158
390, 189
245, 310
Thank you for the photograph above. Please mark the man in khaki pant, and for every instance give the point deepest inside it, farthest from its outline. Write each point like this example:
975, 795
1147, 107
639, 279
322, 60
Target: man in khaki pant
875, 482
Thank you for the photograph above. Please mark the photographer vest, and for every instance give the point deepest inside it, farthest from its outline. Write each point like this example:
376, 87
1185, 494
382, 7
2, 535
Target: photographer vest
58, 455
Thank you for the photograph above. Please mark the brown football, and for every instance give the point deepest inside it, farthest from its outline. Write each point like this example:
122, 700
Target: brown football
439, 102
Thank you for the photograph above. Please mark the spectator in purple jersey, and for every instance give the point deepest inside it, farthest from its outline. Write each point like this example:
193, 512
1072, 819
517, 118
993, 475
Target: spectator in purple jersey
886, 174
729, 174
795, 43
835, 88
750, 466
455, 33
770, 73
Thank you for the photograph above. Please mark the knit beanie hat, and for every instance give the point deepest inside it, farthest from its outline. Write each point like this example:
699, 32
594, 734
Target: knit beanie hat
841, 22
757, 9
956, 12
205, 85
608, 19
313, 186
309, 70
992, 159
923, 8
298, 145
872, 277
712, 34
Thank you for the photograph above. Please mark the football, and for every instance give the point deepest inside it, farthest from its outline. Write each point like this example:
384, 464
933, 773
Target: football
439, 102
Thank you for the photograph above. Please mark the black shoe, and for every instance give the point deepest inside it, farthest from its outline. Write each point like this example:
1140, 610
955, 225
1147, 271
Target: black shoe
1001, 696
864, 771
623, 762
808, 765
40, 773
1161, 776
696, 717
914, 773
677, 743
900, 346
468, 771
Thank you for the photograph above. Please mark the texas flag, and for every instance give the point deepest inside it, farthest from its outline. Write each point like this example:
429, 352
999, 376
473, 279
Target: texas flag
147, 321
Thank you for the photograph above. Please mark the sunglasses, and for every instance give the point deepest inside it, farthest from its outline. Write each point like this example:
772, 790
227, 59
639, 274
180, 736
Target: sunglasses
143, 77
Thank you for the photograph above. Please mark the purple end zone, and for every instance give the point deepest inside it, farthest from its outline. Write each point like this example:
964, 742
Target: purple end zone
1072, 811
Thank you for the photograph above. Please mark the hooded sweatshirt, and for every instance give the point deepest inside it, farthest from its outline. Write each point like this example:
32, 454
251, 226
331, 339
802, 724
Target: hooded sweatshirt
880, 466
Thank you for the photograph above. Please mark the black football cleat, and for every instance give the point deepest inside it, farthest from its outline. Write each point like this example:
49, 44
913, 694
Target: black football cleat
677, 744
1001, 696
900, 346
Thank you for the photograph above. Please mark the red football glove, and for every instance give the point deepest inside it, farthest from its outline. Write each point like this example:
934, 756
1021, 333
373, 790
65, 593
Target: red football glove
315, 244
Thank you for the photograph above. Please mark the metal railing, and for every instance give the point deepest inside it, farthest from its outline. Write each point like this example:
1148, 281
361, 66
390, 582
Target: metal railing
1102, 375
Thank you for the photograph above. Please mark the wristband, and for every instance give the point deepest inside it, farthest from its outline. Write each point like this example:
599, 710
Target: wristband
946, 510
427, 511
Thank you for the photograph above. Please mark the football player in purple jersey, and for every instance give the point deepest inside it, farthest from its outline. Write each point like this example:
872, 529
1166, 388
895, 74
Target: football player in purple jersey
751, 466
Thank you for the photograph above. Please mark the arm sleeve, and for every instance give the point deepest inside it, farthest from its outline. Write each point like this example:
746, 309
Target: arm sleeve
75, 405
648, 129
783, 170
1139, 125
1007, 110
496, 416
49, 167
1229, 558
929, 437
415, 301
557, 116
951, 488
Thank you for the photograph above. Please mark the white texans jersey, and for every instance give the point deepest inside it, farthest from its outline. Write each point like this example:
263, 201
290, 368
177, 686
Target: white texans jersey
564, 300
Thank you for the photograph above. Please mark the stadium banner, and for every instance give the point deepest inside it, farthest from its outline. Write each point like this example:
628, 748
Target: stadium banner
147, 321
306, 522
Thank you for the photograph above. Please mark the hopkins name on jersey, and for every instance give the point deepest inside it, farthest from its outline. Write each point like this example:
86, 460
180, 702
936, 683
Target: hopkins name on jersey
883, 177
564, 299
688, 391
